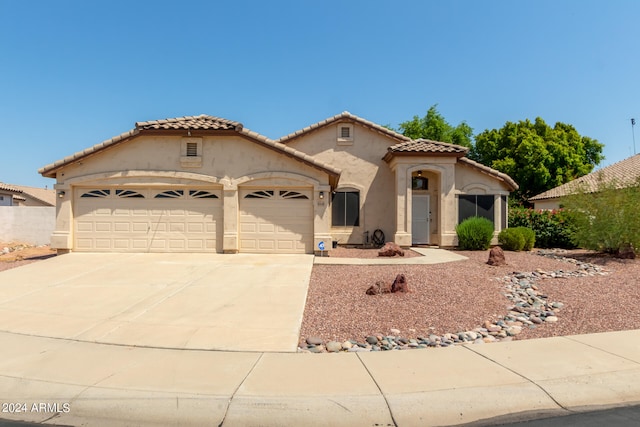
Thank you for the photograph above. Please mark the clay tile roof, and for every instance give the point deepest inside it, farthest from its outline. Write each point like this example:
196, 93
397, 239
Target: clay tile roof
7, 187
622, 174
427, 146
202, 121
342, 117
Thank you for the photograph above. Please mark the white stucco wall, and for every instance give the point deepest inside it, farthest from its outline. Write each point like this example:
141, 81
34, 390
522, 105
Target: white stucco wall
27, 224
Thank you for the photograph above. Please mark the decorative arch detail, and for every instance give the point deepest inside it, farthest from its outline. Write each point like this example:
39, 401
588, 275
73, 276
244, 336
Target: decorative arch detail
173, 177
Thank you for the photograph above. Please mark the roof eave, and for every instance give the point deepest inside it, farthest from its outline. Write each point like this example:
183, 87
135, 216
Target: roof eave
391, 154
340, 118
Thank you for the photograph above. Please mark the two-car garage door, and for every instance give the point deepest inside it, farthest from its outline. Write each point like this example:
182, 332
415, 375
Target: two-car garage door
112, 219
147, 220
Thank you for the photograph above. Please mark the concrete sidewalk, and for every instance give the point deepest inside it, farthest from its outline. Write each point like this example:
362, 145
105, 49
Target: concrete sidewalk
97, 384
430, 256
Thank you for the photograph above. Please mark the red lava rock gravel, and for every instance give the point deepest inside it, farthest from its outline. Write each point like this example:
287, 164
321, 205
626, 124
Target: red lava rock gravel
462, 295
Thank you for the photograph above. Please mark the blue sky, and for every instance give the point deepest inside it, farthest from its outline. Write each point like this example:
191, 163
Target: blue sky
75, 73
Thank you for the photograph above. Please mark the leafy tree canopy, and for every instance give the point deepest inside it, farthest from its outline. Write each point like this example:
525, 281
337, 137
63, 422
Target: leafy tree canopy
433, 126
537, 156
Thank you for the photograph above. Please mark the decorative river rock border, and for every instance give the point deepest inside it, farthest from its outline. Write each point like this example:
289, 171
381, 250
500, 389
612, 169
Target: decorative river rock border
528, 309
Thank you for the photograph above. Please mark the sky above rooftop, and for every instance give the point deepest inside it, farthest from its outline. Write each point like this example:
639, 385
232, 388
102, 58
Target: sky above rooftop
75, 73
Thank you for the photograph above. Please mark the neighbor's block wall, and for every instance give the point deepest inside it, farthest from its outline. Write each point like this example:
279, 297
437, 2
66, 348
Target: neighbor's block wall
28, 224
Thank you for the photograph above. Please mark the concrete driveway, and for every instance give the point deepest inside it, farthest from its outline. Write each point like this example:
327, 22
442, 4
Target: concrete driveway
180, 301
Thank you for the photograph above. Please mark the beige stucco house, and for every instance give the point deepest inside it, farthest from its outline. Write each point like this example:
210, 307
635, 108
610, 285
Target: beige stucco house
206, 184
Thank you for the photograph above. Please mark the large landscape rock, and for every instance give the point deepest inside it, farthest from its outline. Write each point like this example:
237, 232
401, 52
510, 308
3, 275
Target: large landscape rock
390, 249
379, 288
400, 284
496, 256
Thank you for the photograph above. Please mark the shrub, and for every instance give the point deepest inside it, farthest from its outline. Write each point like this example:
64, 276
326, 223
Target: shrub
529, 237
607, 220
475, 234
517, 239
511, 239
552, 228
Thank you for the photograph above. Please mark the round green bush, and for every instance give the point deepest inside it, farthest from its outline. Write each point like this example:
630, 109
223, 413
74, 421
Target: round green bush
475, 234
529, 237
517, 239
511, 239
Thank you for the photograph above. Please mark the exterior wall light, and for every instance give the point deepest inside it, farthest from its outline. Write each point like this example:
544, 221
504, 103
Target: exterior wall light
61, 193
321, 195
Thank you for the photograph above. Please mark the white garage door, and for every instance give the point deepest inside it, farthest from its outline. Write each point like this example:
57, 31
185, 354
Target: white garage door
276, 221
147, 220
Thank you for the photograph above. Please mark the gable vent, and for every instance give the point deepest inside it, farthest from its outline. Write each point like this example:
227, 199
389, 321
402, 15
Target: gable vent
192, 149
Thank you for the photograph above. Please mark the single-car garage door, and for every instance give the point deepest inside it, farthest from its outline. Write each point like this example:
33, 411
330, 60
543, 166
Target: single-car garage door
147, 219
276, 221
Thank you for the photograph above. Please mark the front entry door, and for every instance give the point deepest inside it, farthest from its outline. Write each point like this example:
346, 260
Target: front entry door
420, 219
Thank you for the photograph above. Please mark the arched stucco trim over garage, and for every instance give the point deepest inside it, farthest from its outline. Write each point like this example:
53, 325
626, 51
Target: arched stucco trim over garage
137, 177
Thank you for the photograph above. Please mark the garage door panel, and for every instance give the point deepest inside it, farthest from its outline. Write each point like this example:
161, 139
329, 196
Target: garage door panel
84, 226
120, 243
103, 243
103, 226
122, 227
144, 224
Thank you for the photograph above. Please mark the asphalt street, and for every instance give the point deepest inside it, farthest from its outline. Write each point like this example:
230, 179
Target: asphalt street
619, 417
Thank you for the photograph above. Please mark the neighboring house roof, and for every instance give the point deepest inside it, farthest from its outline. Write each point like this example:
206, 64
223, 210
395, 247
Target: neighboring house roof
201, 124
344, 117
621, 174
7, 187
43, 195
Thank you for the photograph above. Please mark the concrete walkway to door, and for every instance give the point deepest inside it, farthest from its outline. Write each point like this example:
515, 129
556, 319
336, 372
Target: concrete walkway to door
178, 301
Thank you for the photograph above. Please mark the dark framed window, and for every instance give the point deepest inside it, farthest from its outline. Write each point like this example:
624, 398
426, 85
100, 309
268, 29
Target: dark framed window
504, 213
345, 209
419, 183
475, 205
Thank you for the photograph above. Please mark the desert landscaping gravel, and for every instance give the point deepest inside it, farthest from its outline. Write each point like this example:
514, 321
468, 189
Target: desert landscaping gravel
464, 295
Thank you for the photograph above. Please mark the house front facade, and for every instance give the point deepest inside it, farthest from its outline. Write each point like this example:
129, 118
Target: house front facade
206, 184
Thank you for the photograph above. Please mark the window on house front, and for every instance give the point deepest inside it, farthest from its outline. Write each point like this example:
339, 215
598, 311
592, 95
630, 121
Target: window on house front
475, 205
419, 183
345, 132
345, 209
504, 212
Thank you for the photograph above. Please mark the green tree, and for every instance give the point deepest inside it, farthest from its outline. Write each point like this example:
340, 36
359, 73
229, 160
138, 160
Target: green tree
537, 156
433, 126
